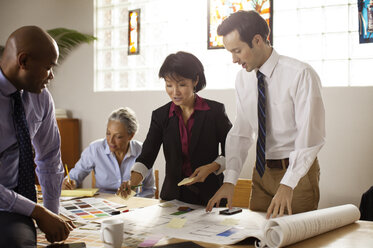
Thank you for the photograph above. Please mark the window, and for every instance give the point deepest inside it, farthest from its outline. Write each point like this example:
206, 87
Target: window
323, 33
167, 26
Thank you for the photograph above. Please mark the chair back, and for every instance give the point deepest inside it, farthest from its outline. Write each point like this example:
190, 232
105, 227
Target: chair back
156, 176
93, 179
241, 195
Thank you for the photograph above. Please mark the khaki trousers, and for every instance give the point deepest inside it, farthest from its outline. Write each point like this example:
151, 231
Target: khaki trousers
306, 194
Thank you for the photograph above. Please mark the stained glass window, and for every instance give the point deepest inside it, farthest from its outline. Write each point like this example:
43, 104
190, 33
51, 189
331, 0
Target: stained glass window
220, 9
133, 31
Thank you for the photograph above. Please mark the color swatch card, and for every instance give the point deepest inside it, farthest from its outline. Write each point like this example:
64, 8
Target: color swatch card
89, 208
90, 238
186, 181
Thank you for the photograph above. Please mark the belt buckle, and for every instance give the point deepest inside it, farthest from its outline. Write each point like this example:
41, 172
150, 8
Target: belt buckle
283, 164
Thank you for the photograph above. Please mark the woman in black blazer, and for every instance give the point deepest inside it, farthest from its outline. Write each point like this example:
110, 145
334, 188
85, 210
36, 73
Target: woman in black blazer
190, 129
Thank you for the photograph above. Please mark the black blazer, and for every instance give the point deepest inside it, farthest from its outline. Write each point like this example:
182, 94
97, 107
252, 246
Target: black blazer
210, 129
366, 205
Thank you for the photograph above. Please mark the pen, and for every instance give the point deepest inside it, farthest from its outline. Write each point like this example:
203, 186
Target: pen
134, 187
67, 172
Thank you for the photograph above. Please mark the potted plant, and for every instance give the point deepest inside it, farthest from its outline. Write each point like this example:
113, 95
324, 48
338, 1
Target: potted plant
67, 40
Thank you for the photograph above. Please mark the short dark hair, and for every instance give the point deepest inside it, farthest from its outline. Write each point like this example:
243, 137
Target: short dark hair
247, 23
185, 65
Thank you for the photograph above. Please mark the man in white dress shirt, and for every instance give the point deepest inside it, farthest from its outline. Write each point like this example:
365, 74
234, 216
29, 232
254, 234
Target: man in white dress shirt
294, 122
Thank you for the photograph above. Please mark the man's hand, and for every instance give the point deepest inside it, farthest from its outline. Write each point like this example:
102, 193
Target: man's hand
280, 201
201, 173
68, 184
125, 188
54, 227
225, 191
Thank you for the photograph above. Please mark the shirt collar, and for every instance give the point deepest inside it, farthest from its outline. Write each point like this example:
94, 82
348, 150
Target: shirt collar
6, 87
199, 104
130, 152
268, 67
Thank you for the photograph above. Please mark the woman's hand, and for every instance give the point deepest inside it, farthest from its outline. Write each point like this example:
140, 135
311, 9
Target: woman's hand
68, 184
125, 188
201, 173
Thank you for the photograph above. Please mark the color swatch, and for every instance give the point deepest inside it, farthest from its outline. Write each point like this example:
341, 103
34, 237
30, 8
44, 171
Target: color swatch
89, 208
90, 238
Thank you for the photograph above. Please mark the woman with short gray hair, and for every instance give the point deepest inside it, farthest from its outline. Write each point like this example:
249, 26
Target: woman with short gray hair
127, 117
112, 158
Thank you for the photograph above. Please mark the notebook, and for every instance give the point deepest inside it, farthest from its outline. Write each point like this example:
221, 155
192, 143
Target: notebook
79, 192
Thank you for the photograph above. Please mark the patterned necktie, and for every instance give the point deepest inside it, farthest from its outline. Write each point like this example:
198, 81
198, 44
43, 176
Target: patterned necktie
261, 142
26, 172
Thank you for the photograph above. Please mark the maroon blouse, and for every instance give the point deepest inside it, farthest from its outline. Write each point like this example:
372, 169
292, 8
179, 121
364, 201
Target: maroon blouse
186, 130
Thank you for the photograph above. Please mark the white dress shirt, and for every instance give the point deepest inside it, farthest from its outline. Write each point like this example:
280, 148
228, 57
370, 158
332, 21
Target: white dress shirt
295, 117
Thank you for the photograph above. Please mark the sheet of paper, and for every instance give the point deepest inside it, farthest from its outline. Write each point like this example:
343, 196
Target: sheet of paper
185, 181
230, 222
194, 225
79, 192
151, 240
176, 223
290, 229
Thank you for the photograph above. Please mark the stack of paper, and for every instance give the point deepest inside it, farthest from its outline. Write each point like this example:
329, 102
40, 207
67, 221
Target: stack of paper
79, 192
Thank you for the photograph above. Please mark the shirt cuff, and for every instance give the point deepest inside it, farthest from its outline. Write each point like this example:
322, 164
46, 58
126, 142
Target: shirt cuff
140, 168
52, 205
231, 176
23, 206
221, 161
290, 179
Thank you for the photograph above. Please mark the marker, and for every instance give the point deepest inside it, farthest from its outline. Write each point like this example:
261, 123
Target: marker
134, 187
67, 172
125, 211
115, 212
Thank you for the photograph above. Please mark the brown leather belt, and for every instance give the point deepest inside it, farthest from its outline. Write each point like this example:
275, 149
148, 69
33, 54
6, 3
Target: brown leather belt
278, 163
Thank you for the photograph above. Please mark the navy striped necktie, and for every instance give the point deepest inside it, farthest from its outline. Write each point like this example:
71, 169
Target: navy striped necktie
261, 141
26, 172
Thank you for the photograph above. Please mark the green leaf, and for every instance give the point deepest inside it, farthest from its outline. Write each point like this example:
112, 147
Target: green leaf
68, 39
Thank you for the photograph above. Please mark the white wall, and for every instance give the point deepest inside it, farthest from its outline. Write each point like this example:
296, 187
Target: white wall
346, 160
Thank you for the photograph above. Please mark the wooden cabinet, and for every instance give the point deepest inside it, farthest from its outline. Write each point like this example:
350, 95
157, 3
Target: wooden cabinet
70, 141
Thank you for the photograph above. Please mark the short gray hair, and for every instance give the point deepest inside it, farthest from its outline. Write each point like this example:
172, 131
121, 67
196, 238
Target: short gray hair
127, 117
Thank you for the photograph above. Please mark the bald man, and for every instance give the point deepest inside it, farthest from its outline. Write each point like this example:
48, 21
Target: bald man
26, 67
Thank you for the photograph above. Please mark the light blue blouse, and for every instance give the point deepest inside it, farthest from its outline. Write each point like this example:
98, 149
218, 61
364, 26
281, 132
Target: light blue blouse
108, 173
